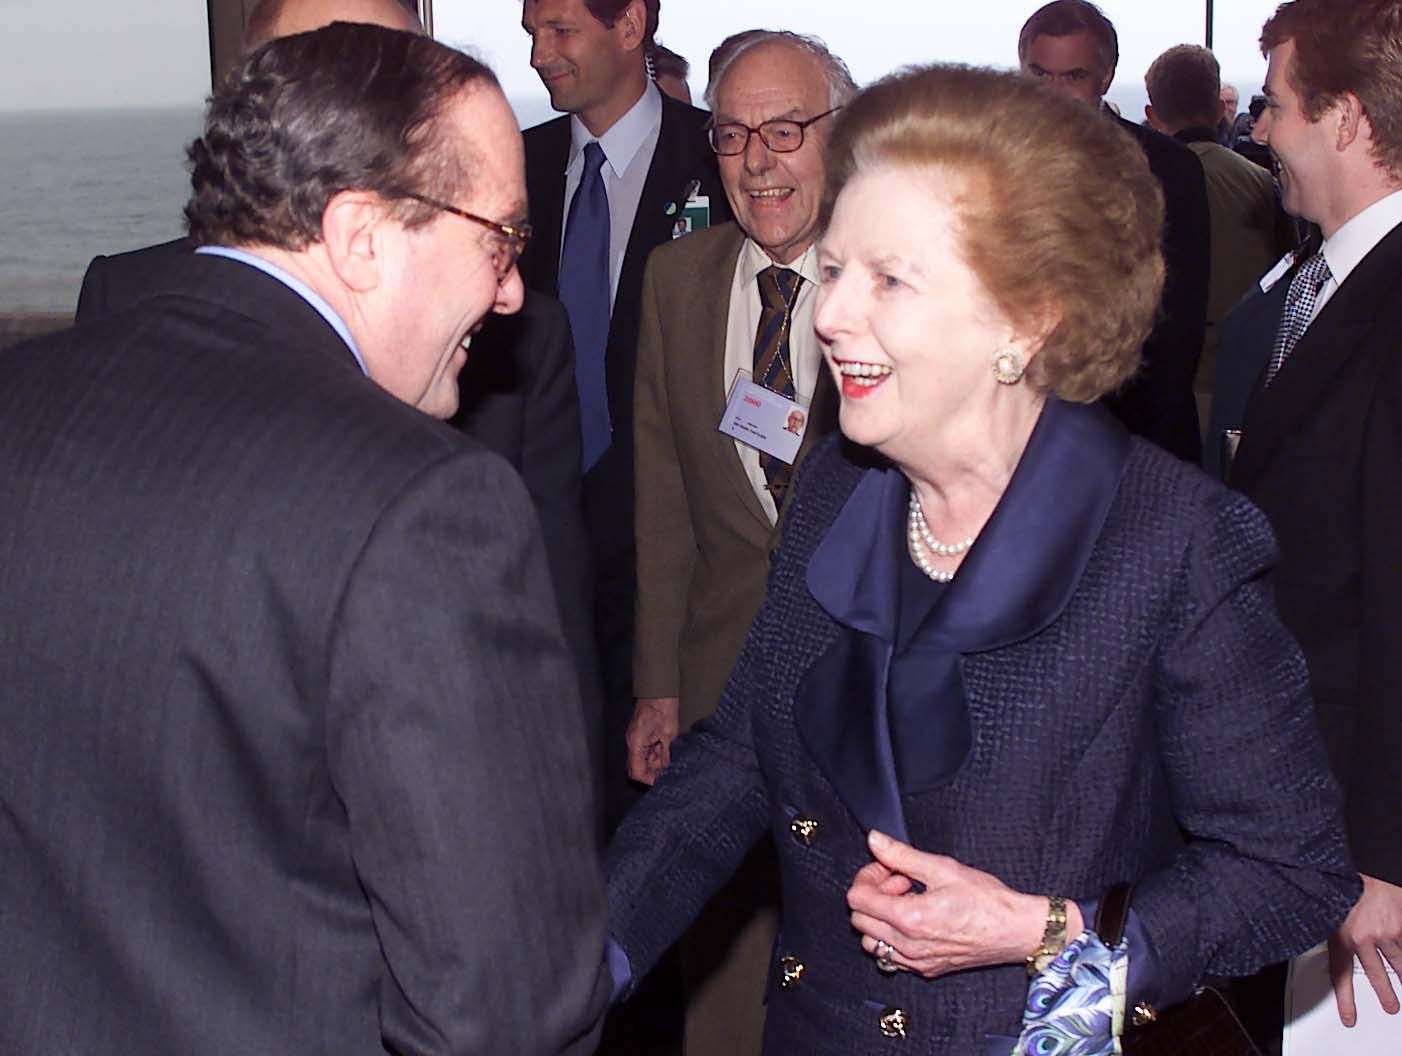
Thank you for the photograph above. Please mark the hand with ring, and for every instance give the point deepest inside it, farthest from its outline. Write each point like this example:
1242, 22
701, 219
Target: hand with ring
931, 915
883, 953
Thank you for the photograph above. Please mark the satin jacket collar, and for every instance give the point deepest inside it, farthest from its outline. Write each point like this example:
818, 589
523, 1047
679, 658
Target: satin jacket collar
1014, 582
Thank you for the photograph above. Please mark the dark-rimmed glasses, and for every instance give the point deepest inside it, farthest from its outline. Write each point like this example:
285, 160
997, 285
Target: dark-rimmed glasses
507, 250
782, 135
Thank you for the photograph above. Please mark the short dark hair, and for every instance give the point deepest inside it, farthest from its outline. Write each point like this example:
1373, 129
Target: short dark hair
610, 11
1063, 18
1038, 243
1185, 87
347, 107
1353, 47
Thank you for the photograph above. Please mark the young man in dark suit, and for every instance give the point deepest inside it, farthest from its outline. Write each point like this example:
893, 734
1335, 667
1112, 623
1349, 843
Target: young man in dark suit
288, 714
1073, 48
1320, 439
648, 174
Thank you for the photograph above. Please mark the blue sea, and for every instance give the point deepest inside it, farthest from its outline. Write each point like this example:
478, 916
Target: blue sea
79, 183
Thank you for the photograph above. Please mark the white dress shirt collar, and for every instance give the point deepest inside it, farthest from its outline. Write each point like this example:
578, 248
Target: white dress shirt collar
753, 260
625, 138
1356, 239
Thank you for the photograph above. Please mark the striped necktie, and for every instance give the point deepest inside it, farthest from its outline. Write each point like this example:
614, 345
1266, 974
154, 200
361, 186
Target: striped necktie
778, 292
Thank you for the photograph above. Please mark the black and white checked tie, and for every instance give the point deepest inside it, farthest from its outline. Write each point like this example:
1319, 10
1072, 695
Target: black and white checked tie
1299, 306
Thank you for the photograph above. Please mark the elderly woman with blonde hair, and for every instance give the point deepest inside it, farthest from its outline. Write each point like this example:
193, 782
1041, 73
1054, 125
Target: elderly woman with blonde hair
1010, 656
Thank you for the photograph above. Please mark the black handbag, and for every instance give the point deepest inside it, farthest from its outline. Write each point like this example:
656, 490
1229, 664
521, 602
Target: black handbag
1203, 1025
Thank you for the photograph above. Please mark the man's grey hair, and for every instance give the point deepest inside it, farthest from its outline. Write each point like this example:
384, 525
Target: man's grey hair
841, 87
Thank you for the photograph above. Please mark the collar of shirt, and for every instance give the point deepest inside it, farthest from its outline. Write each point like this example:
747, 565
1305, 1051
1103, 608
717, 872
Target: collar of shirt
622, 142
753, 260
1356, 239
628, 149
298, 287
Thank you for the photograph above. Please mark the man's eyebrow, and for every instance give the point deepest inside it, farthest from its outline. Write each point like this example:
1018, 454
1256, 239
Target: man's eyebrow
722, 118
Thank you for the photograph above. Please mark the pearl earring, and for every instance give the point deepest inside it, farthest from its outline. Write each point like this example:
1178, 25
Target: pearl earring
1007, 367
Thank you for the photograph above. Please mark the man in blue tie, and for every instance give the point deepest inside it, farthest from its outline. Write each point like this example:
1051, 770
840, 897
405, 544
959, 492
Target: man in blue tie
1320, 440
624, 170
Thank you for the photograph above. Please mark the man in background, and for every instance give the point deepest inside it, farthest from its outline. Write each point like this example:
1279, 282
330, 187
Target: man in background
1250, 231
1320, 447
724, 310
1072, 47
282, 678
1231, 102
517, 394
625, 170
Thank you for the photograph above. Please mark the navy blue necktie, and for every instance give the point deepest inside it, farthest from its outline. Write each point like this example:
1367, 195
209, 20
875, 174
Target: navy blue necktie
584, 291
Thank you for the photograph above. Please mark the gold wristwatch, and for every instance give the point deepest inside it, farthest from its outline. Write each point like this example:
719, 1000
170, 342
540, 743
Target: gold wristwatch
1053, 938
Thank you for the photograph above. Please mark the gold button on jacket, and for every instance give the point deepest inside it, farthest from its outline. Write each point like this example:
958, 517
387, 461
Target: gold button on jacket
804, 829
893, 1022
791, 970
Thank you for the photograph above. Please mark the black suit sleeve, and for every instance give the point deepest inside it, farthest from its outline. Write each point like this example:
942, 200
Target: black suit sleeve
454, 742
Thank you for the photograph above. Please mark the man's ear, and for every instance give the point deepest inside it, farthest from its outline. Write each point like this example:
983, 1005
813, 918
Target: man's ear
1352, 121
354, 231
632, 23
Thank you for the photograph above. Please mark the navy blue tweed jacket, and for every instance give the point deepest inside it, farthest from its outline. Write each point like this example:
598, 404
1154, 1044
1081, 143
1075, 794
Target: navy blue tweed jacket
1127, 707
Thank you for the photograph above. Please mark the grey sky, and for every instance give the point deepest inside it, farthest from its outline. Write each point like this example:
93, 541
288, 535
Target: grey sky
99, 53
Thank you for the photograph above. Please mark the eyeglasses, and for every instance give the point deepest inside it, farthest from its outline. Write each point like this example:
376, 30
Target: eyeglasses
506, 250
782, 135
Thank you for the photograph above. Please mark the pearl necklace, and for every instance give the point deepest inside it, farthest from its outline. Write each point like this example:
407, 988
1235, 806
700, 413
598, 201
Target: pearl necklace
924, 543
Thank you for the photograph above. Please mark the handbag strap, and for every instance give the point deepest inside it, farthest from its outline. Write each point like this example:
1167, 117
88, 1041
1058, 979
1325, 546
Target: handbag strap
1112, 913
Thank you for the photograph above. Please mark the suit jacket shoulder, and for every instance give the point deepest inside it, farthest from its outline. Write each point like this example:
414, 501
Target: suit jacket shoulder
114, 282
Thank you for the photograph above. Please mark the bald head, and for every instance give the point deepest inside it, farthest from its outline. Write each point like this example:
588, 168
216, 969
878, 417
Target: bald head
282, 18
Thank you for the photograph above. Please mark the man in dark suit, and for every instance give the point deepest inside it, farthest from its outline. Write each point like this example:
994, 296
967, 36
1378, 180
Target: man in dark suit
517, 394
1073, 48
290, 729
656, 177
1321, 435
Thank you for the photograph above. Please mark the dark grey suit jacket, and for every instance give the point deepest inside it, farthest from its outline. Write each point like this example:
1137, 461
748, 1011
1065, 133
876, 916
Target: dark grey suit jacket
518, 399
292, 757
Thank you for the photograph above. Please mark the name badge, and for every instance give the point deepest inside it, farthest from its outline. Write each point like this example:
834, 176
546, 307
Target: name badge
763, 419
1276, 273
695, 214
